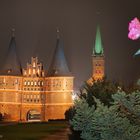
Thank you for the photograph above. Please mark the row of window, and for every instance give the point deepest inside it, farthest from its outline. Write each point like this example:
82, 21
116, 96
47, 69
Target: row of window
56, 83
40, 83
98, 64
34, 89
12, 84
98, 71
33, 83
33, 98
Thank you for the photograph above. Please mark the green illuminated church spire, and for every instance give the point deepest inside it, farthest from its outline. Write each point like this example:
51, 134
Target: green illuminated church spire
98, 49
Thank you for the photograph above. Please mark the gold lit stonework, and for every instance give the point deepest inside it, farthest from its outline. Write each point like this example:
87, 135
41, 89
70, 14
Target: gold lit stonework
33, 94
98, 69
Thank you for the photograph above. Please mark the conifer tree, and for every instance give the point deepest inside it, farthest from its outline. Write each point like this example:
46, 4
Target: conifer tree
101, 89
120, 121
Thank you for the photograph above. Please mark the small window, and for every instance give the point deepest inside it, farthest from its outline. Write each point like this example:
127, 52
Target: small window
42, 96
66, 84
35, 83
28, 83
34, 64
27, 96
38, 83
25, 83
42, 83
32, 83
38, 96
34, 96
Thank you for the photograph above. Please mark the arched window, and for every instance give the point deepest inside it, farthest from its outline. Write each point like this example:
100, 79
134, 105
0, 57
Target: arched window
35, 83
38, 83
28, 83
32, 83
25, 83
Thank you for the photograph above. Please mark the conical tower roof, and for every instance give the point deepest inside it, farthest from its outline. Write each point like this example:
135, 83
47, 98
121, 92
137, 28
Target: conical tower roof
12, 64
58, 66
98, 48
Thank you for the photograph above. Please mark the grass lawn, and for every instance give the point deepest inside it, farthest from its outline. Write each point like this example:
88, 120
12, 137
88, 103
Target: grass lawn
30, 131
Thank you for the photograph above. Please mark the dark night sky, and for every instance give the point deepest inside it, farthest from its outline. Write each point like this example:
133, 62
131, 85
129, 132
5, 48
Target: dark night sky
36, 21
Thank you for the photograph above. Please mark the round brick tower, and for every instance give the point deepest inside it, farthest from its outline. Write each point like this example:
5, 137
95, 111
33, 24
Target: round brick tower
59, 85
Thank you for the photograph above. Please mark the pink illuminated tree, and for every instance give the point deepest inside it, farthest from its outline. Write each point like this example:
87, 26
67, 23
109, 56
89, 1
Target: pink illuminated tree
134, 31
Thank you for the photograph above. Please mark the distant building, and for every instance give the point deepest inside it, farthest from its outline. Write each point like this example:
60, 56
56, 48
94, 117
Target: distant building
98, 61
31, 93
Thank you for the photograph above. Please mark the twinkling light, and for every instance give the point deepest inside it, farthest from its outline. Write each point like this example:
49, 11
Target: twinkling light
134, 29
74, 96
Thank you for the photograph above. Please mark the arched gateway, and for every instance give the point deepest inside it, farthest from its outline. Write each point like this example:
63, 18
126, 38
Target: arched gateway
33, 115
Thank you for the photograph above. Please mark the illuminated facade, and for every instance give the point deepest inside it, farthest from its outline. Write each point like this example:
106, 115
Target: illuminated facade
98, 61
33, 94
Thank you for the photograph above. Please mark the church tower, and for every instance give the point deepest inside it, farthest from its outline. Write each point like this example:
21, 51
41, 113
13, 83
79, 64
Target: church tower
98, 58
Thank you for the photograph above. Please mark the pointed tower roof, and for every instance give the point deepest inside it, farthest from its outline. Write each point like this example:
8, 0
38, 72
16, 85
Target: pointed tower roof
58, 66
98, 49
12, 64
